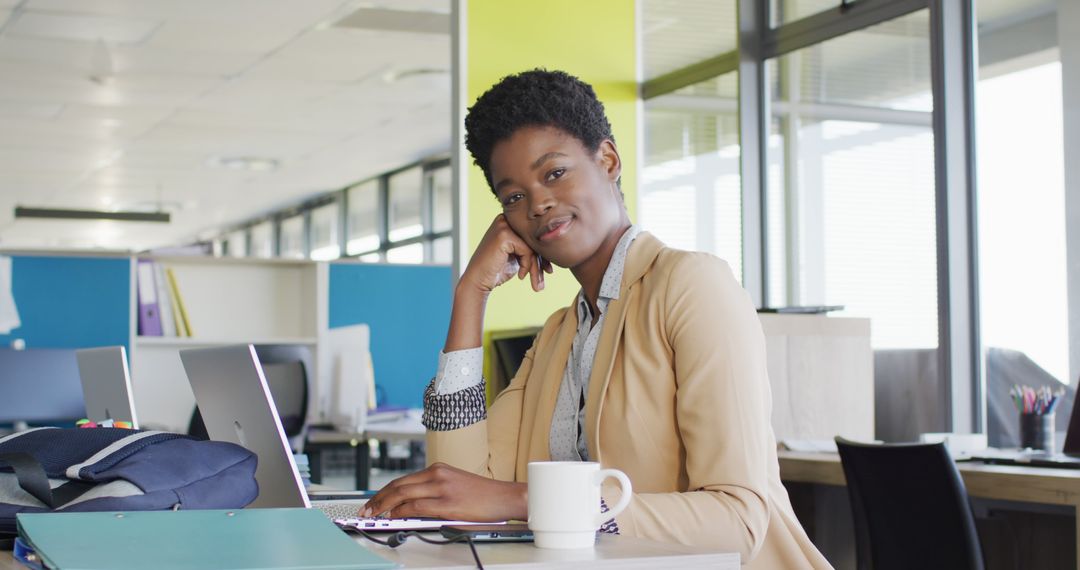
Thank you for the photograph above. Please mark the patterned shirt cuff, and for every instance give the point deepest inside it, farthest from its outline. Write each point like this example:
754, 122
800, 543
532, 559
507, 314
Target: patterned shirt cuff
445, 412
610, 527
459, 369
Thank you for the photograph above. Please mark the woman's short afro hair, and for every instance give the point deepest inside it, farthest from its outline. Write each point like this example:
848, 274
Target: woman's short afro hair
536, 98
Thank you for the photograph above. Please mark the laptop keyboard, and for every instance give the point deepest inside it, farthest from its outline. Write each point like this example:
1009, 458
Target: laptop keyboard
334, 510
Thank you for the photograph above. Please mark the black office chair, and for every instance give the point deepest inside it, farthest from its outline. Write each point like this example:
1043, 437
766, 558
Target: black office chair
910, 507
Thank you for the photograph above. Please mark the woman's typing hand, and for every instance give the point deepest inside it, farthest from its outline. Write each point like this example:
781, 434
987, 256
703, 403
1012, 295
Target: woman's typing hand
446, 492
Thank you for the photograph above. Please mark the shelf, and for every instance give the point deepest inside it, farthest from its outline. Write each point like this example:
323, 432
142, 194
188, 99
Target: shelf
169, 341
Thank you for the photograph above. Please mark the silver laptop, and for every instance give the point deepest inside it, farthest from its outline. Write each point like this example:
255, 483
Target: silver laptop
234, 398
106, 384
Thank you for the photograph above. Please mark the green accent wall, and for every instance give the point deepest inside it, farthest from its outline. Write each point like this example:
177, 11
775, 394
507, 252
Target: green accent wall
592, 39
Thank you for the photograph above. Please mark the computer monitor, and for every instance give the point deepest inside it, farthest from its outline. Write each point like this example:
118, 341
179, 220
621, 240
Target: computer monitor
509, 348
40, 385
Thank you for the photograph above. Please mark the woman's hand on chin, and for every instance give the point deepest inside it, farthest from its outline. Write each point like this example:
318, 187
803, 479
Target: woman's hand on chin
446, 492
500, 255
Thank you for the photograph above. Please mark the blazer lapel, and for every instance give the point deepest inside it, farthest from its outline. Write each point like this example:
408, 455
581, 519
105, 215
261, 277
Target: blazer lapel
554, 361
638, 260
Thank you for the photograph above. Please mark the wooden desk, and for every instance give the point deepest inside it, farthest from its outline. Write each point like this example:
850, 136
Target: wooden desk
611, 552
1043, 485
408, 428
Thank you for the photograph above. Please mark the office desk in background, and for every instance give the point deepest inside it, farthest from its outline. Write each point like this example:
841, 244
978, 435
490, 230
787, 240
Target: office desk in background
407, 428
1040, 485
611, 552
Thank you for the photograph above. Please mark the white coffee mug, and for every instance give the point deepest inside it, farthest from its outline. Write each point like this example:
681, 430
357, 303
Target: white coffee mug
564, 502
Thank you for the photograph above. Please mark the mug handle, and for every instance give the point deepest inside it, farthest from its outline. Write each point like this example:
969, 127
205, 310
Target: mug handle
624, 500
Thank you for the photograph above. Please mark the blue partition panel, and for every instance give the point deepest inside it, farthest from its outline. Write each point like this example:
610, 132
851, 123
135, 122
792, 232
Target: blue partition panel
407, 308
71, 302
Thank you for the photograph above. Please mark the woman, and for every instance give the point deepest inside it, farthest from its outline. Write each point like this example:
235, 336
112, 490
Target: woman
657, 368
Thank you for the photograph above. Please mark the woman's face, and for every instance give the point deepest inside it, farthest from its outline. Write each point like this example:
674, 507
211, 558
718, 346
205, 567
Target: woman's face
559, 197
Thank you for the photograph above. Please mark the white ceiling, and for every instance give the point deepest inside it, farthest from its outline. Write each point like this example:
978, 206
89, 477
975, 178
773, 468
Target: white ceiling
126, 104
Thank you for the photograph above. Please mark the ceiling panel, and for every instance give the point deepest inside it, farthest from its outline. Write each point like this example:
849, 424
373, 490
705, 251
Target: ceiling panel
262, 78
253, 37
29, 109
233, 12
678, 33
64, 26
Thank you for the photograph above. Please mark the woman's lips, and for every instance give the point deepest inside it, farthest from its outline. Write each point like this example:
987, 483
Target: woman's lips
559, 229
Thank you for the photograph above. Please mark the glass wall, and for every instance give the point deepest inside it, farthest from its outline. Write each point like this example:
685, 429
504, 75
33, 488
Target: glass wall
851, 201
1021, 190
690, 194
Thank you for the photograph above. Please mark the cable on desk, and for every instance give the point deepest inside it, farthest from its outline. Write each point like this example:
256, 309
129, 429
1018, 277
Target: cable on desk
398, 538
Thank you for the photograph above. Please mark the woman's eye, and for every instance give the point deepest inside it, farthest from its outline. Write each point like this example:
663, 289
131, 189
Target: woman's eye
556, 174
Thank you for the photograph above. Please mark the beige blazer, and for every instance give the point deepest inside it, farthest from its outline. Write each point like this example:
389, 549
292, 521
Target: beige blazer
678, 399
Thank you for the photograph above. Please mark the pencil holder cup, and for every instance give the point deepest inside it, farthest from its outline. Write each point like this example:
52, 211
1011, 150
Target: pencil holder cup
1037, 431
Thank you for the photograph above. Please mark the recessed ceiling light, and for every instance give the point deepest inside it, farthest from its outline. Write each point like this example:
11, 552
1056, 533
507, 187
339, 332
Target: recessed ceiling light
249, 163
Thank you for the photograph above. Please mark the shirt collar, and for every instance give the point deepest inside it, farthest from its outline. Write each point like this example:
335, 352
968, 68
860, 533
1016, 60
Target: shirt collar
610, 285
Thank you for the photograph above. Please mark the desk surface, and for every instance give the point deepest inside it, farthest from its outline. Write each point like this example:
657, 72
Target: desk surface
611, 552
1045, 485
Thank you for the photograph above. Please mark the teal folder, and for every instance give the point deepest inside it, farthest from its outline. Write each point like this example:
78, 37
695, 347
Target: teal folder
255, 539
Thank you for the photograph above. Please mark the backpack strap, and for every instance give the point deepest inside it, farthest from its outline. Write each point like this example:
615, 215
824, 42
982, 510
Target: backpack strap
32, 479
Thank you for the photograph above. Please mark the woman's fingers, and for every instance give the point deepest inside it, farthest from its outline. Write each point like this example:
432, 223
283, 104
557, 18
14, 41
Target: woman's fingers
419, 508
392, 495
536, 273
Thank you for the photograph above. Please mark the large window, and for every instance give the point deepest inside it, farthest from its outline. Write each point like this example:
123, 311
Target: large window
363, 218
262, 240
291, 239
851, 201
406, 190
1023, 261
325, 242
236, 244
405, 216
690, 194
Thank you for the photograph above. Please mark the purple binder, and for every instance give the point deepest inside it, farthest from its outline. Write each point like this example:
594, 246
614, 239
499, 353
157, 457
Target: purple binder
149, 307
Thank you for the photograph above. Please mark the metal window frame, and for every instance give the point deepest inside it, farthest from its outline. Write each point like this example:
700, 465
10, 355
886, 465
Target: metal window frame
753, 17
953, 37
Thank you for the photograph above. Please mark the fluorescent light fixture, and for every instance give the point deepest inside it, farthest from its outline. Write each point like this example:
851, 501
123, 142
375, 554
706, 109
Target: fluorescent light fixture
249, 163
62, 214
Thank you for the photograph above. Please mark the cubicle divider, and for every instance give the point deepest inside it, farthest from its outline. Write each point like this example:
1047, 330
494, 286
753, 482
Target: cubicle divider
407, 308
71, 301
76, 301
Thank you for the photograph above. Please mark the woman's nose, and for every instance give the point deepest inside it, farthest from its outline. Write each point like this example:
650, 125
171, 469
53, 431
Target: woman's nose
540, 202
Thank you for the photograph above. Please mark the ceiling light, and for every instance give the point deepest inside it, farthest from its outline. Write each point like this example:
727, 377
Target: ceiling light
389, 20
397, 75
63, 214
249, 163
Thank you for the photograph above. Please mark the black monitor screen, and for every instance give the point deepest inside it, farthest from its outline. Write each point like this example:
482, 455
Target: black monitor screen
40, 385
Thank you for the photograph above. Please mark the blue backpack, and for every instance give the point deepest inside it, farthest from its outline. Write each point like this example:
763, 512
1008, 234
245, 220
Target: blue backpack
112, 469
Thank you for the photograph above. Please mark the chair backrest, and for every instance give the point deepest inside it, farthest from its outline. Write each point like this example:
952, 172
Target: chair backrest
910, 507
